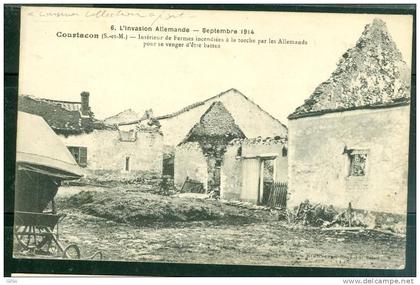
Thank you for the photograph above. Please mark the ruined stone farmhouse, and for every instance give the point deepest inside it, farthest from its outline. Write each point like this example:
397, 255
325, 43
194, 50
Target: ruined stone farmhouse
249, 117
216, 142
99, 148
349, 141
219, 154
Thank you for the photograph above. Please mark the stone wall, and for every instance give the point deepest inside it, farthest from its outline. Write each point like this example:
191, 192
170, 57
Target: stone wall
107, 154
190, 162
231, 174
319, 161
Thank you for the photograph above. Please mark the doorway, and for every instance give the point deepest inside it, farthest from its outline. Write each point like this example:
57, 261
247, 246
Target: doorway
127, 163
258, 176
266, 179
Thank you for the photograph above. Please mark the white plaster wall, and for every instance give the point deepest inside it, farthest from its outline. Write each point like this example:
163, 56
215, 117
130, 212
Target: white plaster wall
318, 169
190, 161
231, 174
106, 152
240, 176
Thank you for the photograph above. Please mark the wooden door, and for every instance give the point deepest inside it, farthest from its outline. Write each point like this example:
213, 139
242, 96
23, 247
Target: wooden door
250, 179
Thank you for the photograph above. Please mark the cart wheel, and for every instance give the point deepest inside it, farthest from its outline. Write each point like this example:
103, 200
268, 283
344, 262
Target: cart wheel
97, 255
32, 237
19, 232
71, 251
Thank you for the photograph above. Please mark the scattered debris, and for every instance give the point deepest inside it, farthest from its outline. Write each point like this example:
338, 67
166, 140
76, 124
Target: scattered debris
192, 186
313, 215
264, 239
328, 218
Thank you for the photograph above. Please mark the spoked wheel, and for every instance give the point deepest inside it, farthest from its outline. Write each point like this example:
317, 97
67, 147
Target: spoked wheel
34, 238
71, 251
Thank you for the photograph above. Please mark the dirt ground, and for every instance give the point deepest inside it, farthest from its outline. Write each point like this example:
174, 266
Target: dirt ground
260, 241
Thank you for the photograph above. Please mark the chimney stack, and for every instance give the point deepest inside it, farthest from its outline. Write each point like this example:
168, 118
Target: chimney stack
85, 103
149, 114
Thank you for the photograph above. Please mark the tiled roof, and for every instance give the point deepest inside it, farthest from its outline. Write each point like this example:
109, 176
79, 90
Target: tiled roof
59, 118
372, 74
68, 105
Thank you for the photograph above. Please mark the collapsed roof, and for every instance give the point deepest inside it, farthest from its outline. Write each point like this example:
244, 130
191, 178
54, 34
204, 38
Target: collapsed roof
371, 74
215, 124
62, 116
126, 117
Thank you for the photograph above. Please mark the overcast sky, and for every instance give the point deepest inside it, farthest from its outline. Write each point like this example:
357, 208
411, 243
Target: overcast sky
121, 74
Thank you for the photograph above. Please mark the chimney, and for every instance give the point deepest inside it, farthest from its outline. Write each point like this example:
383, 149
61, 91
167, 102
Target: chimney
84, 96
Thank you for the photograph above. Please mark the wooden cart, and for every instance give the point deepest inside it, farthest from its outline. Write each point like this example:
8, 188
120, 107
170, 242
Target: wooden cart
39, 232
42, 163
36, 220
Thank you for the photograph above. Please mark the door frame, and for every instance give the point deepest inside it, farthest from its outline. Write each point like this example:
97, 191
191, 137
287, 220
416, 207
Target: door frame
261, 160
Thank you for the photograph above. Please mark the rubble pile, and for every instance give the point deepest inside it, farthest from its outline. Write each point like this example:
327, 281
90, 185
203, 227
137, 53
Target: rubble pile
327, 217
313, 215
371, 73
111, 180
140, 208
319, 215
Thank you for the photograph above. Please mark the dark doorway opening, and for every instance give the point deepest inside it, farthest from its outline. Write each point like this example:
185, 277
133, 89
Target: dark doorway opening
266, 180
168, 165
127, 163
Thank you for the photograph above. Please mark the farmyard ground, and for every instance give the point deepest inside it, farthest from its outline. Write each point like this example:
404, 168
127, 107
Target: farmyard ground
234, 235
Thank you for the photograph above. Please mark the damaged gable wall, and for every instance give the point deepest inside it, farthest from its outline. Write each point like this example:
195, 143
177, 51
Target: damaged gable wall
250, 118
349, 140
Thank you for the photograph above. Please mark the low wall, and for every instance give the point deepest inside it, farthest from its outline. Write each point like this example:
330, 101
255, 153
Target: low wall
190, 162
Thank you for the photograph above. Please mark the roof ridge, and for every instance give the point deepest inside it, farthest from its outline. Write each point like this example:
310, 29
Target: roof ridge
194, 105
129, 109
259, 107
38, 99
399, 103
47, 99
199, 103
60, 101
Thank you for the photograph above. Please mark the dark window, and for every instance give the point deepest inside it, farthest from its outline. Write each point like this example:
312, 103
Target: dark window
358, 162
127, 163
239, 152
80, 154
128, 136
284, 151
